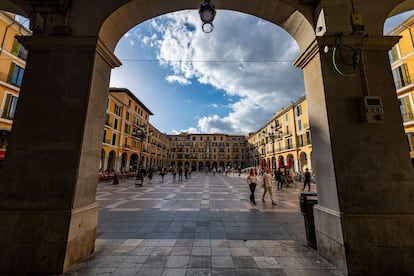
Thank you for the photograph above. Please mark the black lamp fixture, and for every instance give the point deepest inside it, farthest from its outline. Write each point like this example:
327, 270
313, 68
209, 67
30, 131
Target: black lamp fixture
207, 13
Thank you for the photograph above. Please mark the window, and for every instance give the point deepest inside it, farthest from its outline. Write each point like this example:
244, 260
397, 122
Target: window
289, 143
104, 136
401, 76
287, 117
9, 107
127, 128
393, 54
406, 109
299, 125
15, 75
299, 110
115, 123
117, 110
127, 116
113, 139
18, 50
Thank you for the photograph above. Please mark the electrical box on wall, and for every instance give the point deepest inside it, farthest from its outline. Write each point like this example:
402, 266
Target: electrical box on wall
371, 109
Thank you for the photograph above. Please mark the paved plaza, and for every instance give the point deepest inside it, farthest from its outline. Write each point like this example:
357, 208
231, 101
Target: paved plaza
203, 226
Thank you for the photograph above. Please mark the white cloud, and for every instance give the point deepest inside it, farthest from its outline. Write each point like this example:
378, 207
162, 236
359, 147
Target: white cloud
178, 79
244, 56
189, 130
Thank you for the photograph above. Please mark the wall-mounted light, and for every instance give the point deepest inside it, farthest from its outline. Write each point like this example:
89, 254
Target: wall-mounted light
207, 13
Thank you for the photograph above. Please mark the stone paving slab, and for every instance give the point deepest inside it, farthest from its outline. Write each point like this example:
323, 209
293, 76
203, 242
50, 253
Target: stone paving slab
203, 226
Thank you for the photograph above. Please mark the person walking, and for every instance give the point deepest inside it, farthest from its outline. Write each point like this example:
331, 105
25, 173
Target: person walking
140, 176
189, 172
267, 185
174, 173
163, 172
186, 173
180, 174
307, 180
278, 176
150, 173
252, 181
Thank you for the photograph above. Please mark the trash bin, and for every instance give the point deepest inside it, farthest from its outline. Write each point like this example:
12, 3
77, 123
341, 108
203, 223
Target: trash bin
307, 200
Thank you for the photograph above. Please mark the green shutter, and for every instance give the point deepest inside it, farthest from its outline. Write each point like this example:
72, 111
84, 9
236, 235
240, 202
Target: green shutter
7, 107
11, 72
16, 48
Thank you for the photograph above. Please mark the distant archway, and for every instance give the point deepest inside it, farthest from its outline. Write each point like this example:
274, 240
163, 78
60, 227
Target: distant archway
111, 161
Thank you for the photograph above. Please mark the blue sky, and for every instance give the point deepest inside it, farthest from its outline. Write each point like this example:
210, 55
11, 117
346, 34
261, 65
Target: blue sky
230, 81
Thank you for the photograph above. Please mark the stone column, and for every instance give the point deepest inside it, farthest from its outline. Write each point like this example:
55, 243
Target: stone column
48, 211
365, 216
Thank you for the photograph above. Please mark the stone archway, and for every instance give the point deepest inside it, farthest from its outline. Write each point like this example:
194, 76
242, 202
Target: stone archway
88, 36
111, 161
133, 163
124, 160
303, 160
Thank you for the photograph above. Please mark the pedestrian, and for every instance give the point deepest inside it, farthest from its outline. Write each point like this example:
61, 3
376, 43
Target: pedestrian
189, 173
307, 180
150, 173
115, 181
267, 185
180, 174
163, 172
252, 181
174, 173
140, 176
186, 173
278, 176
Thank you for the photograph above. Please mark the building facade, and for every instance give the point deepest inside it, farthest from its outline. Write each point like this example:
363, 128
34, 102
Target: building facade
12, 63
284, 141
402, 65
128, 138
158, 149
207, 151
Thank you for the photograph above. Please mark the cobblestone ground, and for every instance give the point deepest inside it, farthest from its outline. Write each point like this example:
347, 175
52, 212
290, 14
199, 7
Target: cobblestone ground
203, 226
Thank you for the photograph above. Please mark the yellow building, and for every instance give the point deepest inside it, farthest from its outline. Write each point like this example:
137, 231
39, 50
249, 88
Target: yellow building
126, 132
207, 151
158, 149
12, 63
284, 141
402, 64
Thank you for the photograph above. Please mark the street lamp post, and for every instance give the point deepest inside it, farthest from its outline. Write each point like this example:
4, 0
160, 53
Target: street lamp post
272, 137
142, 134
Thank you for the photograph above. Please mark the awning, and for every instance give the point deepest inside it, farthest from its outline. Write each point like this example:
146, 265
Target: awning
2, 155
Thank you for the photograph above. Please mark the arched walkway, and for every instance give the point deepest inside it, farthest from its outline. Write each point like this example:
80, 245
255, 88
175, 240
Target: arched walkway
61, 162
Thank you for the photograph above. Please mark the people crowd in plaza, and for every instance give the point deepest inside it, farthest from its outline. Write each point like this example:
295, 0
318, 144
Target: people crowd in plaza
256, 175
